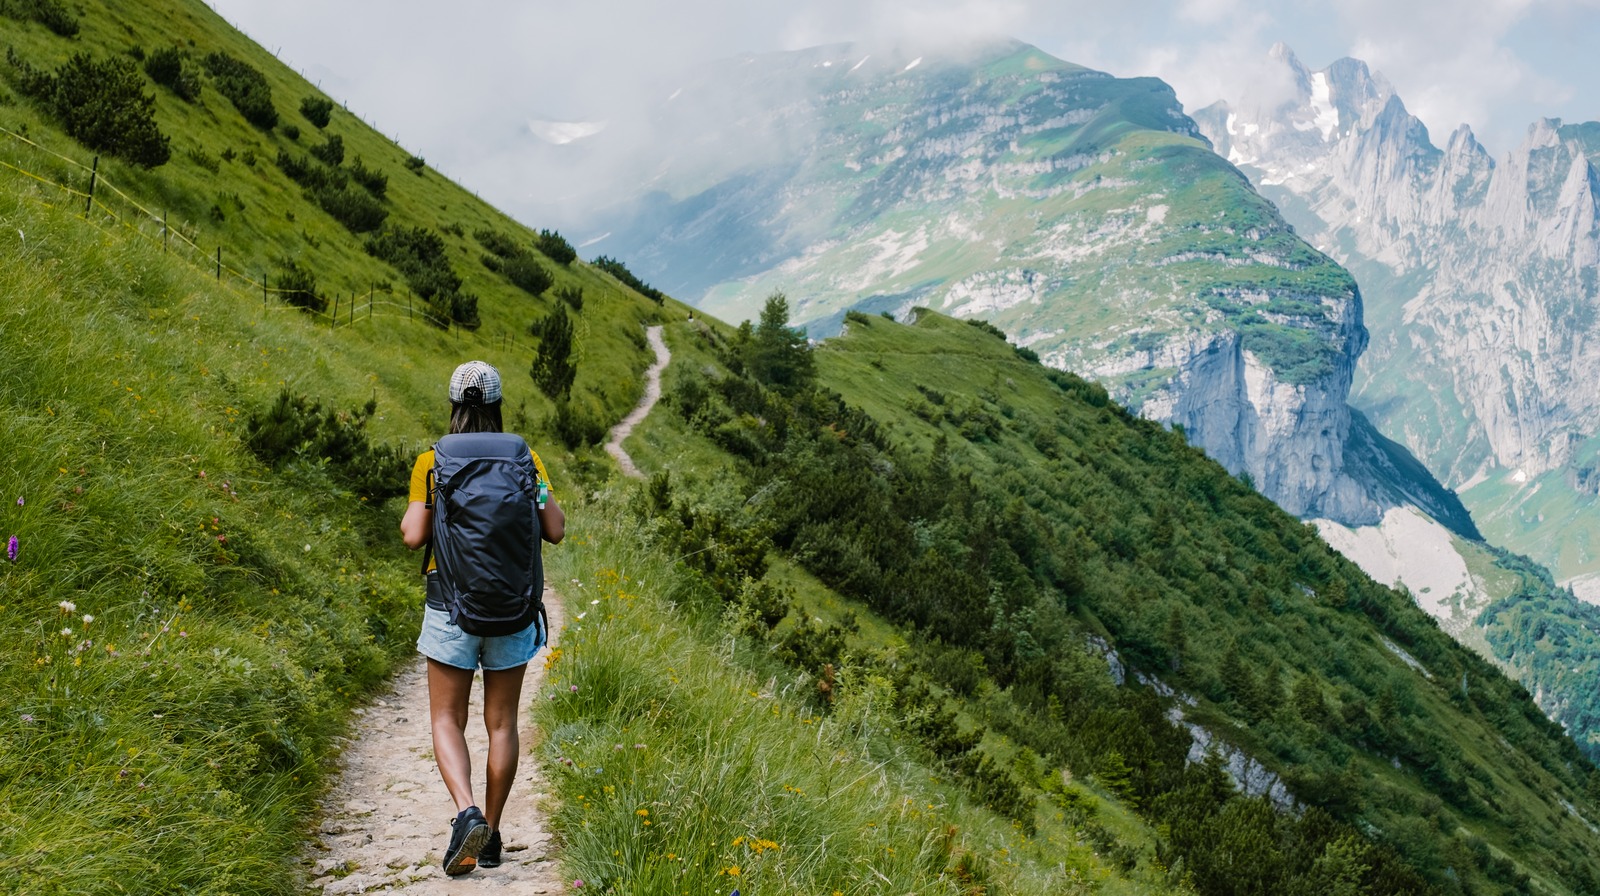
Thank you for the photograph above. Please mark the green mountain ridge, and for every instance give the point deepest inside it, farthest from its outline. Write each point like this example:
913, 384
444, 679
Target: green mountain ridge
990, 523
1082, 215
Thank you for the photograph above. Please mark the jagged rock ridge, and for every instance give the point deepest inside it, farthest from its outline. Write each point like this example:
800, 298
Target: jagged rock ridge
1480, 282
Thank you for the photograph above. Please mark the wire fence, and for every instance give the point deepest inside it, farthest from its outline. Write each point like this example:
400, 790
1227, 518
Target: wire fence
68, 184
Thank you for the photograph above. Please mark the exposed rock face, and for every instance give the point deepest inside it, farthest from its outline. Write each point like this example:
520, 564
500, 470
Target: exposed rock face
1290, 438
1078, 212
1479, 278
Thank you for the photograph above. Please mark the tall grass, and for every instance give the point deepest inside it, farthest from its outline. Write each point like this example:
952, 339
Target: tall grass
681, 768
183, 632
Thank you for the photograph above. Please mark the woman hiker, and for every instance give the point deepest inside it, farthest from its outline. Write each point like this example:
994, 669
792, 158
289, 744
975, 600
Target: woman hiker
453, 654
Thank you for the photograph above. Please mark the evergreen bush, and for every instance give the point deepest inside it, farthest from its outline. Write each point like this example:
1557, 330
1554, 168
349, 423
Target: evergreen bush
102, 104
317, 109
52, 14
245, 87
331, 152
572, 295
170, 68
419, 254
295, 429
620, 271
527, 274
553, 367
578, 425
555, 247
513, 261
297, 285
375, 181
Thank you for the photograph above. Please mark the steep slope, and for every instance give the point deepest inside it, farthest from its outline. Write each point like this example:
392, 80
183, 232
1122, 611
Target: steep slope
201, 477
1061, 569
1079, 212
1480, 283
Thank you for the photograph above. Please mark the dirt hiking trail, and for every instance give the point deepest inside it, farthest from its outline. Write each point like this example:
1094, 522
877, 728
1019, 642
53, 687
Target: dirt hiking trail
652, 394
387, 817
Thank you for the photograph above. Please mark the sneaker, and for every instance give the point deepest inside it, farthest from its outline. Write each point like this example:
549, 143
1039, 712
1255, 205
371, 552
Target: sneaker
469, 831
490, 857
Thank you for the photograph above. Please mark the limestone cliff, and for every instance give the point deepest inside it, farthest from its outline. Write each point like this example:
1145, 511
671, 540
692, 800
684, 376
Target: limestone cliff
1480, 282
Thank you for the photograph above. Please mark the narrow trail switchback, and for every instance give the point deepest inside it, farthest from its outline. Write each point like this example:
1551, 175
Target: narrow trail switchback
652, 394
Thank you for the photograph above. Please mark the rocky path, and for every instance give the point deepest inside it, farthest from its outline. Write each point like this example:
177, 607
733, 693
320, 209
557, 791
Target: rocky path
388, 816
652, 394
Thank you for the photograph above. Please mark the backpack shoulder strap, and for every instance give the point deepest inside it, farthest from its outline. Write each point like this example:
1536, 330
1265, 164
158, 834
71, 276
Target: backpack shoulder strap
427, 501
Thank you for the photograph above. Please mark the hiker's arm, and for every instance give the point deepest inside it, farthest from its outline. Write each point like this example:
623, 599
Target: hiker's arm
416, 524
552, 522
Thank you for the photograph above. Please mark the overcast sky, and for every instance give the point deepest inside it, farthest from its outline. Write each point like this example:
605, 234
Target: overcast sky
466, 84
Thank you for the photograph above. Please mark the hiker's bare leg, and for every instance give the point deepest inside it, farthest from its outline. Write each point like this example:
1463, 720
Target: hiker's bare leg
448, 691
502, 692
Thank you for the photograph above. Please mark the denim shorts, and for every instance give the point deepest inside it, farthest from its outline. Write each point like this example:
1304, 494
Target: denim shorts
450, 645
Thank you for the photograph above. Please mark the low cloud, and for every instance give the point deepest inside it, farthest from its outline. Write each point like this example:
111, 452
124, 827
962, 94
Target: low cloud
489, 91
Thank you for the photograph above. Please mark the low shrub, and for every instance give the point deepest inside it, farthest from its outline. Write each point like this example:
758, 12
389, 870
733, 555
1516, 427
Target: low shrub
357, 210
578, 424
527, 274
555, 247
375, 181
297, 285
52, 14
295, 429
331, 152
572, 295
245, 87
317, 109
170, 67
620, 271
419, 255
102, 104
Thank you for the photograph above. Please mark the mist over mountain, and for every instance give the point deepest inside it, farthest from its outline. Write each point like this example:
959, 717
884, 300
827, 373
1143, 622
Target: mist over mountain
1080, 213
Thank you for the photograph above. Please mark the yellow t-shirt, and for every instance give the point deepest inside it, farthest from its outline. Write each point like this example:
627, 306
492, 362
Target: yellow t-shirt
424, 465
419, 474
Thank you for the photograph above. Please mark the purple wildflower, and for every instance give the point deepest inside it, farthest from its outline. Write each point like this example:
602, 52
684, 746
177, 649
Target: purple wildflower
19, 500
11, 549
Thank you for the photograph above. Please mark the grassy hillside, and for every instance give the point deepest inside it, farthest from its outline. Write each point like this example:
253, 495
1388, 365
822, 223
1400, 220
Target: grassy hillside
860, 640
1028, 538
202, 478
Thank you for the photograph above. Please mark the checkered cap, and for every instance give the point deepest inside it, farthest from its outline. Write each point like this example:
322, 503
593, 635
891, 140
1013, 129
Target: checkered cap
475, 383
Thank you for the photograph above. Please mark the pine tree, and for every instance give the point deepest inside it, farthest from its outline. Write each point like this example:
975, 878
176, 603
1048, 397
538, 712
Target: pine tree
776, 354
553, 369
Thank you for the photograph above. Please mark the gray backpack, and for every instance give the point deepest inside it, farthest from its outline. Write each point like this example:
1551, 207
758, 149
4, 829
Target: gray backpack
483, 491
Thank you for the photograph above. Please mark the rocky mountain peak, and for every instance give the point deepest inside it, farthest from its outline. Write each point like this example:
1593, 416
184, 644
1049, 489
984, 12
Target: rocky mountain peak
1478, 276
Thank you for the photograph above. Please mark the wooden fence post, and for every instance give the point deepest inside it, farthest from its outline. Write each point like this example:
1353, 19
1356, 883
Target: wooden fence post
219, 264
94, 174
